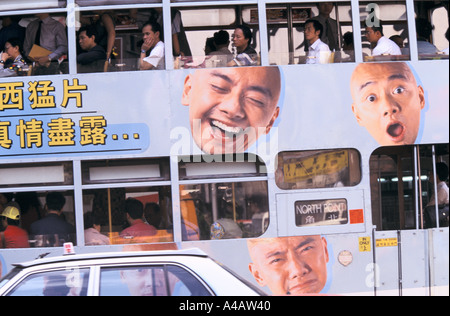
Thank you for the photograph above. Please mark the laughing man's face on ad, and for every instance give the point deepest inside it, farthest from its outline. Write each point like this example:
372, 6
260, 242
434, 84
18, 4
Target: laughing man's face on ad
231, 107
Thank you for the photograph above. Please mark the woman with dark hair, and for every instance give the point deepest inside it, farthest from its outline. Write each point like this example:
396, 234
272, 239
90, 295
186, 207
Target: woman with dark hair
245, 54
11, 60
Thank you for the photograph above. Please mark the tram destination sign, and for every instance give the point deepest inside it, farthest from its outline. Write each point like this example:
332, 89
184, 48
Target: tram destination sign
321, 212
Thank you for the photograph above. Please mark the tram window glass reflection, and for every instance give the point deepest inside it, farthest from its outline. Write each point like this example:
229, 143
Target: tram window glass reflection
431, 29
384, 30
288, 43
215, 208
401, 198
318, 169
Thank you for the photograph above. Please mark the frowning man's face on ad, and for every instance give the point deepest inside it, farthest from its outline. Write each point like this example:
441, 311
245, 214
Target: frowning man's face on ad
290, 265
231, 107
387, 101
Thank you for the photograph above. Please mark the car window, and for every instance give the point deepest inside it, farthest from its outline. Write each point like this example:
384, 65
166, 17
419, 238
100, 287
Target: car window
67, 282
161, 280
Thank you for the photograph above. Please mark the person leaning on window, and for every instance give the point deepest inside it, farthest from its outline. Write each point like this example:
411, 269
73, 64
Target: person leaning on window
153, 46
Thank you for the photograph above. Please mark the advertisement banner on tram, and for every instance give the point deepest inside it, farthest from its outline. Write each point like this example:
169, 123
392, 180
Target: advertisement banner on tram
223, 111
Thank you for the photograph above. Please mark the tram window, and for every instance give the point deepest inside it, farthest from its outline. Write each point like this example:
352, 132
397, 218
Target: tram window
431, 27
37, 219
384, 29
44, 174
119, 40
286, 30
223, 209
127, 215
27, 4
318, 169
399, 199
203, 23
136, 170
46, 54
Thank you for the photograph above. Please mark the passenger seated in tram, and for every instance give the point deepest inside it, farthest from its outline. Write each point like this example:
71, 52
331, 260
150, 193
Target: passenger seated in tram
387, 101
93, 57
245, 54
221, 55
104, 23
92, 231
134, 210
53, 230
152, 49
397, 39
423, 31
12, 62
382, 45
348, 47
12, 236
318, 51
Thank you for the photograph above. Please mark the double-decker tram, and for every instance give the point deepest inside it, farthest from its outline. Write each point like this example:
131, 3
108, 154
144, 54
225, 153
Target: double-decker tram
303, 144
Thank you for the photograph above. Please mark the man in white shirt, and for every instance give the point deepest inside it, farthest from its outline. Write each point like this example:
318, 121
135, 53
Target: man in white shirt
318, 51
151, 35
383, 45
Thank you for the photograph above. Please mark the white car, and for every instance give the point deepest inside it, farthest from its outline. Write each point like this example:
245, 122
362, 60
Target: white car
162, 273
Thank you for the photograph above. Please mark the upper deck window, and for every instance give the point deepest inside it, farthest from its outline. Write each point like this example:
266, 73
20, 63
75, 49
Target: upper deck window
384, 29
431, 29
293, 39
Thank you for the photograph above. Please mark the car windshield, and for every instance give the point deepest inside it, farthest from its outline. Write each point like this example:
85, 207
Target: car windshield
9, 276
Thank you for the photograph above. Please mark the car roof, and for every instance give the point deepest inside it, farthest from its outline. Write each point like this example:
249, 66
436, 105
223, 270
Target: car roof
112, 255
